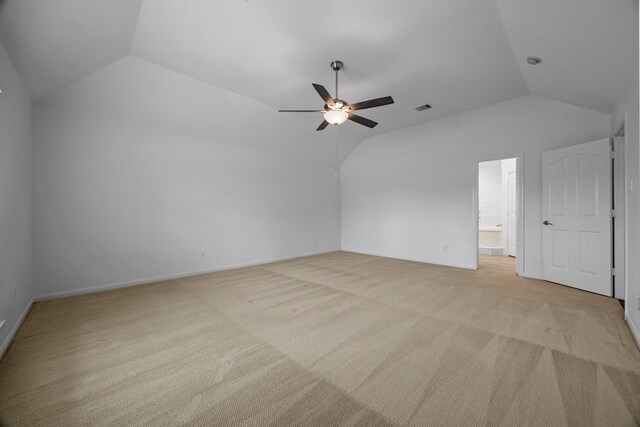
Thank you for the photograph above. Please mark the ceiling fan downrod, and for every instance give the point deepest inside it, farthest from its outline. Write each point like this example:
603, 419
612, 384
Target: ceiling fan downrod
337, 66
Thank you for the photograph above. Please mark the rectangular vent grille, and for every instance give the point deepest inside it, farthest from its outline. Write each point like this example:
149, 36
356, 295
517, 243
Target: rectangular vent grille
423, 107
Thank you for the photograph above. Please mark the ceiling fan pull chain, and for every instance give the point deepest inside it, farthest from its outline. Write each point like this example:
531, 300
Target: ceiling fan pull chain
335, 137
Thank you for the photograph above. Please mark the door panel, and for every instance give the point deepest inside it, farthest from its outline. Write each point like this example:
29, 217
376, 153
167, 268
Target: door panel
587, 185
577, 213
560, 249
558, 191
588, 254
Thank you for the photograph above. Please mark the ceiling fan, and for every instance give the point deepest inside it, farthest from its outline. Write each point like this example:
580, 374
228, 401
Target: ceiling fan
337, 111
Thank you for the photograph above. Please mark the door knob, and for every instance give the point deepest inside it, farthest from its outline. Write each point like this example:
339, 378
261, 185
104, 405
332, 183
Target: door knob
547, 223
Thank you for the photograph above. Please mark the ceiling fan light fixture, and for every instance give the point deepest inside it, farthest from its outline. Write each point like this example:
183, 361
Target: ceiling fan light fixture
336, 117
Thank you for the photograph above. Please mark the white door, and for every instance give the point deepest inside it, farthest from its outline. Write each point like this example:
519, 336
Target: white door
512, 214
576, 213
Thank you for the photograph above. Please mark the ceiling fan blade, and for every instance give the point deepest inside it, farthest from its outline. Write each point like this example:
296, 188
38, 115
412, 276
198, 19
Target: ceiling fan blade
372, 103
324, 94
363, 121
300, 111
323, 125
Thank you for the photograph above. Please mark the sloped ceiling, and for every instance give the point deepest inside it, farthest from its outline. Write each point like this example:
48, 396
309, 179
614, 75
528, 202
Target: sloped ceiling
53, 43
136, 91
456, 55
588, 47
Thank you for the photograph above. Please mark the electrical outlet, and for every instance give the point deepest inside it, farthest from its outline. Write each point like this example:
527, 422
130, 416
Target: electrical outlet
203, 254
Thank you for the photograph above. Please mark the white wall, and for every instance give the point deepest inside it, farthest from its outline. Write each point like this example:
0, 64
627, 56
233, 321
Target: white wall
15, 199
626, 111
408, 193
118, 203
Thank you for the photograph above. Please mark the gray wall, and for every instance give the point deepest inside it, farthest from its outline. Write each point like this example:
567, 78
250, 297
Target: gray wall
118, 204
409, 193
15, 199
626, 111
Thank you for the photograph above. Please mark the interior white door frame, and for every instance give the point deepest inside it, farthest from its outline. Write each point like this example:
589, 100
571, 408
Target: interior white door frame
621, 178
519, 156
512, 200
619, 205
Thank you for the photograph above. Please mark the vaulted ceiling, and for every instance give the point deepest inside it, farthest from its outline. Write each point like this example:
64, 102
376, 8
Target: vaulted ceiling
206, 67
55, 43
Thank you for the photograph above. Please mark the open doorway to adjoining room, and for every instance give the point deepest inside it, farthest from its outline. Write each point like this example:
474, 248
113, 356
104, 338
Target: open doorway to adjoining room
498, 214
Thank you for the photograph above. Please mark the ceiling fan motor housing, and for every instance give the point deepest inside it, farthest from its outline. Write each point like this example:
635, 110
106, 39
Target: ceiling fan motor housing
338, 104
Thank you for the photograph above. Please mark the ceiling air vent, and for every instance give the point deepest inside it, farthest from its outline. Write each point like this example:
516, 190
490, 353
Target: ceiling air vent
423, 107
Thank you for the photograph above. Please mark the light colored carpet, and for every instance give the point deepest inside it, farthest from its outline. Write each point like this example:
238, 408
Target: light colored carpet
335, 339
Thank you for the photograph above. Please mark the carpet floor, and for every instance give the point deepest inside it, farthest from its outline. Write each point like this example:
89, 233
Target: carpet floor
334, 339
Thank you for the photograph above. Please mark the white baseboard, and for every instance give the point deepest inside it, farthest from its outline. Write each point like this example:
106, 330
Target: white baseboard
632, 328
146, 280
14, 330
424, 261
491, 251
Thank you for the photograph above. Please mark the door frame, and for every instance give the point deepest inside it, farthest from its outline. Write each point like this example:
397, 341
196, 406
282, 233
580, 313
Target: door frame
620, 180
519, 156
508, 189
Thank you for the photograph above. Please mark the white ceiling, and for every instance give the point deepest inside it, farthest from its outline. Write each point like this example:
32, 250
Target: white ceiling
456, 55
53, 43
453, 54
588, 47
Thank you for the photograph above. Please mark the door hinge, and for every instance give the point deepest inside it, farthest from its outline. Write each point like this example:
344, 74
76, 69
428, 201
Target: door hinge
613, 271
613, 213
614, 154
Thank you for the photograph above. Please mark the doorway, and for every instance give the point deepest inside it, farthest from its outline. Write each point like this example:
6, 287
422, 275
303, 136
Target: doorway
498, 208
